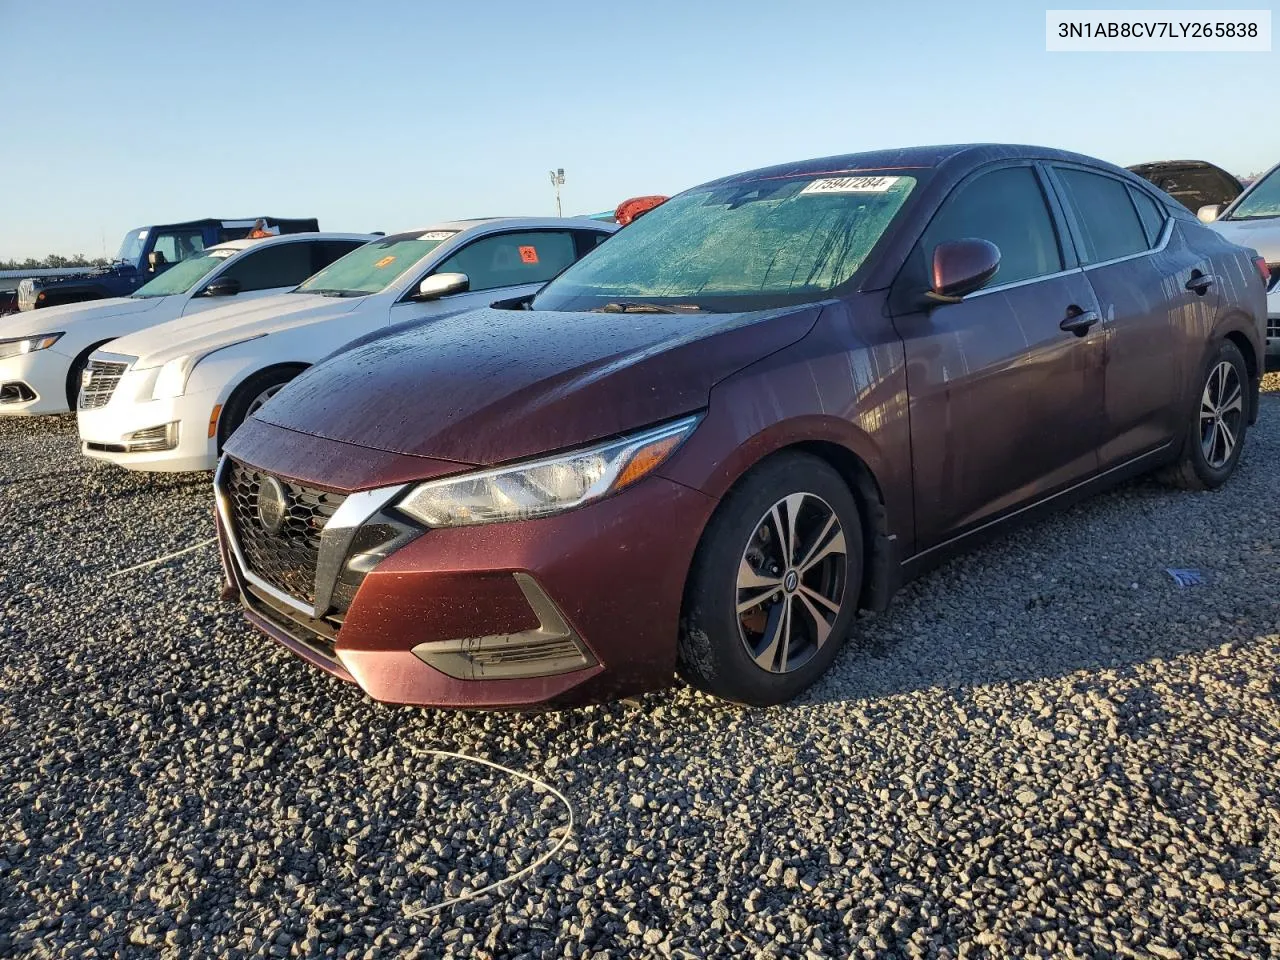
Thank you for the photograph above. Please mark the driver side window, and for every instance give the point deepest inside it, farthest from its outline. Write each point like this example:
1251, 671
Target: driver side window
175, 245
510, 259
1008, 208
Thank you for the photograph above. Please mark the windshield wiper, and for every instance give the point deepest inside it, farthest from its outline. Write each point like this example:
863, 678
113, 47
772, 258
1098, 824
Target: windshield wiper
639, 306
333, 292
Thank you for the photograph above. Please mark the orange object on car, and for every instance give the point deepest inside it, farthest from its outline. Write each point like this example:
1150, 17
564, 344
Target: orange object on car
629, 210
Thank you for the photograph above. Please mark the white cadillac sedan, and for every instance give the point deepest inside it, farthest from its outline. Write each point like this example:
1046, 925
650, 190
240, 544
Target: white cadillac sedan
167, 398
44, 352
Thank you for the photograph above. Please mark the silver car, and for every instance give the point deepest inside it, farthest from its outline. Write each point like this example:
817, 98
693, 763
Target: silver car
1253, 220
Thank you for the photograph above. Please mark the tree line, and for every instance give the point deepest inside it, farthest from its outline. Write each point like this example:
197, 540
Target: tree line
53, 262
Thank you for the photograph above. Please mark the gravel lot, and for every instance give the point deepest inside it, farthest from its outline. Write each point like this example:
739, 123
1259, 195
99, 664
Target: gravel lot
1045, 749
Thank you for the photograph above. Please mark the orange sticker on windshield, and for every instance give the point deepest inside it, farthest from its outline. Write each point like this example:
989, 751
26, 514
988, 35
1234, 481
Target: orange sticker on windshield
385, 262
529, 254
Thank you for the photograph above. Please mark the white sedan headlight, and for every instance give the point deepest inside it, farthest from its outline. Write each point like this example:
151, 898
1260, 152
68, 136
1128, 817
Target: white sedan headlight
537, 488
172, 380
16, 348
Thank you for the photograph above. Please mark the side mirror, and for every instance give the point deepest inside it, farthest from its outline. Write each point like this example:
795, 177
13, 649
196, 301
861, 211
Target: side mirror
442, 284
156, 261
1209, 212
961, 267
222, 287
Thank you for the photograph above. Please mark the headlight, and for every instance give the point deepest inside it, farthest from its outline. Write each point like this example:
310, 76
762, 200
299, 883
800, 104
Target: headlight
171, 381
541, 487
15, 348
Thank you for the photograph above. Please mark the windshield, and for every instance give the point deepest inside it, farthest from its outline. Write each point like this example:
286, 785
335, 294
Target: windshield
373, 267
1262, 201
182, 276
737, 246
131, 246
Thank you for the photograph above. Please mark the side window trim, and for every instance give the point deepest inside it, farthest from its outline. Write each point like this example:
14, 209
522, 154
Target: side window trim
1078, 233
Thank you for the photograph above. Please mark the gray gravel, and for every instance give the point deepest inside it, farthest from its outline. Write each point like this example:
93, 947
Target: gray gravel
1045, 749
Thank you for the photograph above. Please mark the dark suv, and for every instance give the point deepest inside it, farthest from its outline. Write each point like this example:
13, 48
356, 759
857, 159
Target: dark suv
145, 252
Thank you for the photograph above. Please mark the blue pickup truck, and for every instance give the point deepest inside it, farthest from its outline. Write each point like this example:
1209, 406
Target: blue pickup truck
144, 252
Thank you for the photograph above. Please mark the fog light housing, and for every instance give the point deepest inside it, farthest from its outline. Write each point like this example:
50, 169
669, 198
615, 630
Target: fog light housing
152, 439
554, 647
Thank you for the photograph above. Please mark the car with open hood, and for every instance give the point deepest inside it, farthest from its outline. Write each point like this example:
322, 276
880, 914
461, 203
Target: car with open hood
1193, 183
44, 352
1254, 221
765, 404
168, 398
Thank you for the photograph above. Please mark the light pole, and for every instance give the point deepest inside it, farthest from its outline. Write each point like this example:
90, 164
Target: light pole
557, 181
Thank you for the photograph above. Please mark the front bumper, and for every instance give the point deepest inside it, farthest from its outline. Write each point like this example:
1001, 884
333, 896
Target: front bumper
34, 383
613, 572
109, 432
1273, 324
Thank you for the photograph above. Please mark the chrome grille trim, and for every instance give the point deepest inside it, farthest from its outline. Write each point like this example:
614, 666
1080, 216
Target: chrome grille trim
331, 540
99, 382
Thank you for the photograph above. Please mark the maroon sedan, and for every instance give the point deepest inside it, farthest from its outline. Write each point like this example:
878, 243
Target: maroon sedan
766, 403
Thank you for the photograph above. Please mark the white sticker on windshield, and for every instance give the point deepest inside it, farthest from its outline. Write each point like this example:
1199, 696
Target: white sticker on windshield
851, 185
437, 235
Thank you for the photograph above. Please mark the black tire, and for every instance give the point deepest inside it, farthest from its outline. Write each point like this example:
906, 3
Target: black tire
713, 653
1197, 469
241, 403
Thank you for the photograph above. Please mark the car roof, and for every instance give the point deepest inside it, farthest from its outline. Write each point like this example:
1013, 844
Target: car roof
246, 242
499, 223
913, 158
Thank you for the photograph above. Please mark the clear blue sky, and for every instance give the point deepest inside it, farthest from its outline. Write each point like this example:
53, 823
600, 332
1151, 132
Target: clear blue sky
390, 114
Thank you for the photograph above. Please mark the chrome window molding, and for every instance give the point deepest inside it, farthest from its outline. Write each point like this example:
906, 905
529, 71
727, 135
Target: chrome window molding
1158, 248
1022, 283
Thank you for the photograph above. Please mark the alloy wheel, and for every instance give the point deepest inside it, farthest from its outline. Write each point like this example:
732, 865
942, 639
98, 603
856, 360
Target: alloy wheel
791, 581
256, 403
1221, 414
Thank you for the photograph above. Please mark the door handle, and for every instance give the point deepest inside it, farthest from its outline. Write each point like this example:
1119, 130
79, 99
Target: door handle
1199, 282
1080, 322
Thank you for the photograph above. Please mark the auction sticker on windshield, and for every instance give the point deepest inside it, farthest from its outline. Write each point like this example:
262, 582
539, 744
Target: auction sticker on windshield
850, 185
437, 235
384, 262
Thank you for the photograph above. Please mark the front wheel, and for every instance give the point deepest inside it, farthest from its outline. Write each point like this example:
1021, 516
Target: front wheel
774, 583
1215, 435
249, 397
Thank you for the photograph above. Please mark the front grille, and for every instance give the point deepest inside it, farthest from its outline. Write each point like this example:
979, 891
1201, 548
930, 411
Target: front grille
286, 560
100, 382
1273, 327
26, 294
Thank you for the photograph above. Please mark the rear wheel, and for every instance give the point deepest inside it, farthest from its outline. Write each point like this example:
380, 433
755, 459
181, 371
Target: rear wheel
249, 397
1215, 435
774, 583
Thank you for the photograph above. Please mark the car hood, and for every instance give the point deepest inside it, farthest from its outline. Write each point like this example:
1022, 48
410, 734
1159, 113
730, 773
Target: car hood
1263, 235
490, 386
211, 330
53, 319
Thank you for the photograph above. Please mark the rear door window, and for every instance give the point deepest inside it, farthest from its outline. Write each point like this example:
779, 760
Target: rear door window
1006, 207
279, 265
1109, 224
1150, 214
510, 259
